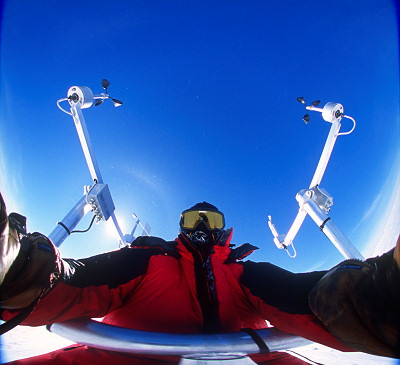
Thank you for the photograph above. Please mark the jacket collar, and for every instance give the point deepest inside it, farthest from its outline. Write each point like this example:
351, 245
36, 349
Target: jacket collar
221, 250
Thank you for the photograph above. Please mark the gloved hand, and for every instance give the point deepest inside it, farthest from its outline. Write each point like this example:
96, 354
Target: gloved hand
9, 242
169, 247
359, 301
30, 263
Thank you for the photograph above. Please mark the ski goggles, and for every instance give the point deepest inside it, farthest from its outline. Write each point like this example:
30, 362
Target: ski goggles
190, 219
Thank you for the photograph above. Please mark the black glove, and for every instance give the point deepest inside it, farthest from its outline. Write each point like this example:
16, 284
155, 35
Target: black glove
9, 240
359, 301
29, 262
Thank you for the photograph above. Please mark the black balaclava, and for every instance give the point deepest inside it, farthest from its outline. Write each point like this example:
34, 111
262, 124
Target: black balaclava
201, 227
201, 236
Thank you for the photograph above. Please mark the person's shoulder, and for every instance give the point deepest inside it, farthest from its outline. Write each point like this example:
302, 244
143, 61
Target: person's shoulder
239, 253
152, 242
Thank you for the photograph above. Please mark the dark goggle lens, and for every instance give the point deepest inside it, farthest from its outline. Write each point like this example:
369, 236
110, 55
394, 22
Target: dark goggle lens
213, 220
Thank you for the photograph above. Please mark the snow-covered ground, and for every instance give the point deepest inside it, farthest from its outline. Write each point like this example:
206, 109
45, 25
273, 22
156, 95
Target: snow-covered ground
24, 342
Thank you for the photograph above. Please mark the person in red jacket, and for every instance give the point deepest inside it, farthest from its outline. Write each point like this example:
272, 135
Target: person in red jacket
195, 284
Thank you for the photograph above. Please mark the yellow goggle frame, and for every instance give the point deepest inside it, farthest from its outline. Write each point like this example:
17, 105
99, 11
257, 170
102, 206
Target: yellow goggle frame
190, 219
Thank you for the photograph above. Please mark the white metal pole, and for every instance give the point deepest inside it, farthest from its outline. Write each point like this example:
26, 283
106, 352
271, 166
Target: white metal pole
326, 154
294, 229
70, 221
84, 138
341, 242
90, 157
118, 228
86, 144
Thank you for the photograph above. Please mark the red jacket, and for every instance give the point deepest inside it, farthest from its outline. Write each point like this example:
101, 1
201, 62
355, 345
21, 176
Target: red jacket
146, 289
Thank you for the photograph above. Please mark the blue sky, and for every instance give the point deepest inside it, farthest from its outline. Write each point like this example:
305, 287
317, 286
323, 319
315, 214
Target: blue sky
210, 113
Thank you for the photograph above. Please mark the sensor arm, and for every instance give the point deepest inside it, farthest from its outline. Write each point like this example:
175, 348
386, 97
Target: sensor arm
86, 144
97, 197
315, 201
325, 224
316, 180
64, 228
326, 154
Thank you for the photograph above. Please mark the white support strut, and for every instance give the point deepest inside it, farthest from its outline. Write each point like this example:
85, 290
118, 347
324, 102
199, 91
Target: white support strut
86, 144
326, 154
340, 241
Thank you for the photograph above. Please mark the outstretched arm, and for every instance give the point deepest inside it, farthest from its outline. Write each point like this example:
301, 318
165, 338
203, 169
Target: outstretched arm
281, 297
90, 287
280, 288
354, 306
34, 279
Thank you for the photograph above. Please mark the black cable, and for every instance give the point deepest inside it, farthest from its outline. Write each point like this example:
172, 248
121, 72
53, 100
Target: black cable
264, 349
65, 227
90, 226
321, 227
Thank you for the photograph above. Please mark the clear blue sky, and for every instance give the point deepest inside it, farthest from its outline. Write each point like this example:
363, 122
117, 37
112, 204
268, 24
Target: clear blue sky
210, 113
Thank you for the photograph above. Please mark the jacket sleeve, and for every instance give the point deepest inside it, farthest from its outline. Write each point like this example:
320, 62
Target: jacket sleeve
281, 297
91, 287
280, 288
